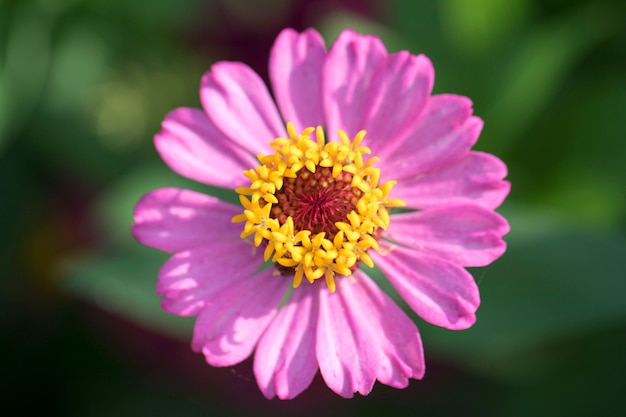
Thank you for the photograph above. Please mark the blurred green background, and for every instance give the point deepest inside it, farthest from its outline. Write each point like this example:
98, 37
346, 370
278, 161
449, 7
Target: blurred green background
84, 85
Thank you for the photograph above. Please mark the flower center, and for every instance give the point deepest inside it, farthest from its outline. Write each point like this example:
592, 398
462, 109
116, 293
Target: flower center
316, 206
316, 201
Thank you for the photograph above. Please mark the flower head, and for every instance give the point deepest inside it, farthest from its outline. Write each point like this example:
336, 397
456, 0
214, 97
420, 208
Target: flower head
353, 133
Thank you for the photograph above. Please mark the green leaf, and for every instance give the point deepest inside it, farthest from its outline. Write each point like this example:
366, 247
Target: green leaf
538, 67
478, 25
23, 71
125, 285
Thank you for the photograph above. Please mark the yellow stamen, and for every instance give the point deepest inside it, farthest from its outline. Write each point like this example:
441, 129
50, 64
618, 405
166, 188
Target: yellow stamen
312, 254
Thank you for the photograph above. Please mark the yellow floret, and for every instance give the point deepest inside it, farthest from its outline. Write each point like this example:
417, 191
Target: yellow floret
315, 257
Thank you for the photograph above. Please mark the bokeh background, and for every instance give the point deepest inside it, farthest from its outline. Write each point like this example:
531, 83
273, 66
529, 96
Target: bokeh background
84, 85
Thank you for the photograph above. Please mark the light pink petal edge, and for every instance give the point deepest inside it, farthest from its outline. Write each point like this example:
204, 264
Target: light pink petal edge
439, 291
231, 323
446, 131
467, 235
172, 220
363, 336
193, 147
190, 279
477, 178
398, 93
295, 69
237, 101
347, 73
285, 362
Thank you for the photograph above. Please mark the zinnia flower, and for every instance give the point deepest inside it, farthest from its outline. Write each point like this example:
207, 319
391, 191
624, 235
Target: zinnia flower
353, 134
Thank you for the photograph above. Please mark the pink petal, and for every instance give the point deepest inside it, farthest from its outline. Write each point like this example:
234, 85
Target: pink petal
172, 219
362, 335
189, 280
439, 291
193, 147
398, 93
229, 326
391, 330
238, 103
347, 360
477, 178
296, 73
446, 131
467, 235
285, 362
347, 74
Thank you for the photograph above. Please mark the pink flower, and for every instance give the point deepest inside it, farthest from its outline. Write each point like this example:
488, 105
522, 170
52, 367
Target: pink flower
281, 274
